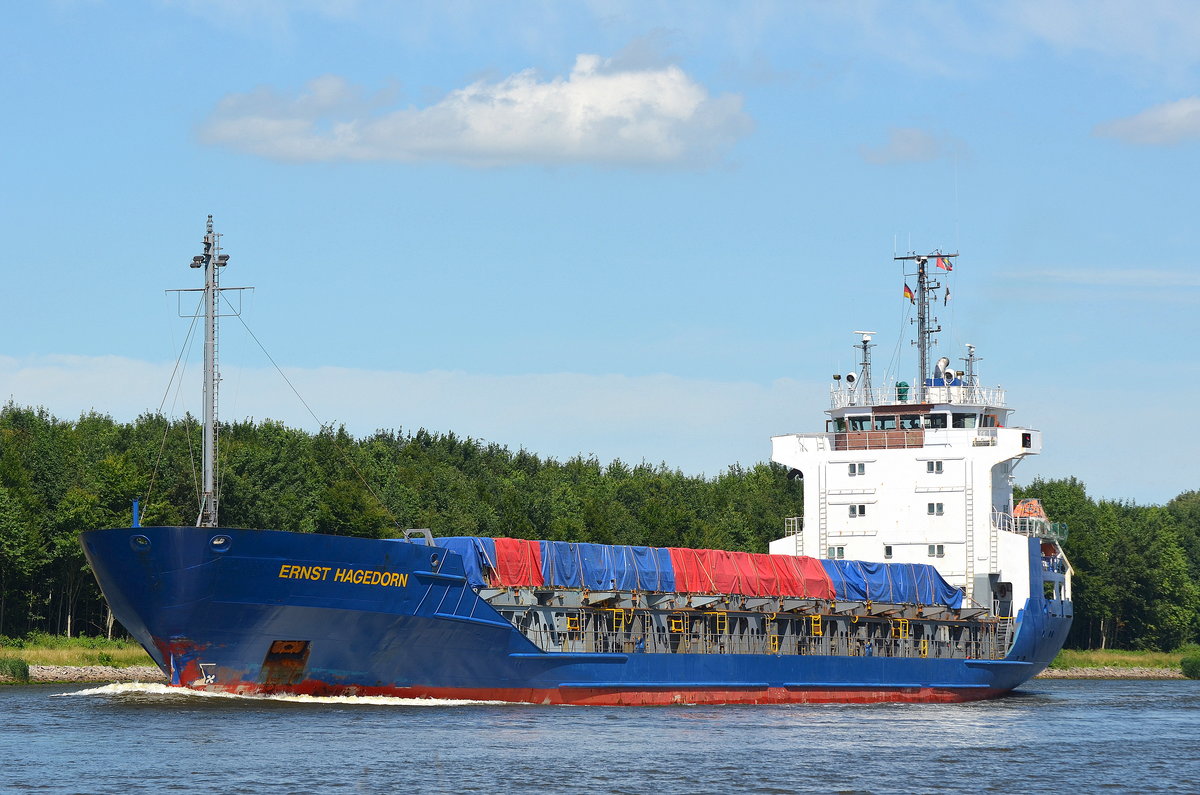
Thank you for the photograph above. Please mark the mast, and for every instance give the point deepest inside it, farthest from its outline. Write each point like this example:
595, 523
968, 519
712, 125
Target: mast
212, 260
923, 298
864, 366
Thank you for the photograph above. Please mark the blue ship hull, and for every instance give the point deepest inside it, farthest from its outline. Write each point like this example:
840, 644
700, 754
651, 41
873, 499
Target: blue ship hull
254, 611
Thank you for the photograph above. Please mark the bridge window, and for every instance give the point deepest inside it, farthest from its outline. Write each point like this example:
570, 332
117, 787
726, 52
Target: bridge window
857, 469
857, 510
885, 423
935, 420
965, 420
936, 509
860, 423
933, 467
910, 422
838, 553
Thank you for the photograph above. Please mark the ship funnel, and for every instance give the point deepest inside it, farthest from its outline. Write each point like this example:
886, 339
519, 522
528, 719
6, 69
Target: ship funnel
940, 367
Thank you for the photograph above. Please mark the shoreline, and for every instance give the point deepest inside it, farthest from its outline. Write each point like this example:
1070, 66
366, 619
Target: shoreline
1110, 672
94, 674
103, 674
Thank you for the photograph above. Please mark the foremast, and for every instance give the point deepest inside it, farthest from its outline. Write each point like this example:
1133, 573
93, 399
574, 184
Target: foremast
212, 261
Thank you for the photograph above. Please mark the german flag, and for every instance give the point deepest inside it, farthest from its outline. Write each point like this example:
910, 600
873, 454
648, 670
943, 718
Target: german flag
908, 293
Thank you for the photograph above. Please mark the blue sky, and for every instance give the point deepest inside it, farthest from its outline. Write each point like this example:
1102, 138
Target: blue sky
624, 229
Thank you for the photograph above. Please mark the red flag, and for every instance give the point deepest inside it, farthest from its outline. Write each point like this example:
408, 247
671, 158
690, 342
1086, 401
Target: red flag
908, 293
945, 264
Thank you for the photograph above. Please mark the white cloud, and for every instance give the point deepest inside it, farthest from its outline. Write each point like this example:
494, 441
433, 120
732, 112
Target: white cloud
910, 145
1166, 124
1165, 31
692, 424
599, 113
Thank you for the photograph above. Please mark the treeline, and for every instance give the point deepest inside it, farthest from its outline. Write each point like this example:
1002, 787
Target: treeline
58, 478
1137, 567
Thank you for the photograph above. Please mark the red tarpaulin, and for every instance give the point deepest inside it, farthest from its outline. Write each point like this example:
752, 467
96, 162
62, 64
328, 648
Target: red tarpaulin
770, 583
691, 573
802, 576
749, 574
518, 563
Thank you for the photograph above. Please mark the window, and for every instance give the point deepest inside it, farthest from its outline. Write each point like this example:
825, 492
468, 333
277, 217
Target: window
935, 420
857, 469
838, 553
933, 467
965, 420
936, 509
857, 511
937, 550
989, 421
910, 422
887, 553
860, 423
887, 423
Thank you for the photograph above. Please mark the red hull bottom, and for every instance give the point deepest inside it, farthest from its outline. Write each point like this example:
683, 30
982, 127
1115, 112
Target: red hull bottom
626, 698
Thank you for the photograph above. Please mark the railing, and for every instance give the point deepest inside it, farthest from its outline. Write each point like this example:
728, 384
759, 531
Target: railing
629, 631
1030, 526
1054, 564
877, 440
841, 396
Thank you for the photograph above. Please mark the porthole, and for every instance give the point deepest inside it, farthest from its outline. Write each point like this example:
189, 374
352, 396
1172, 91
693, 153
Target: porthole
220, 543
433, 560
139, 543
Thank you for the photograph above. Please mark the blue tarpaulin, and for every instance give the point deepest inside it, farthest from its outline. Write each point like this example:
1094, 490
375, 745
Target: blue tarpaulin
896, 583
477, 554
654, 569
602, 567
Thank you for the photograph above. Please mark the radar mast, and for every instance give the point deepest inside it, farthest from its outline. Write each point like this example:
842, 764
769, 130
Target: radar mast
923, 298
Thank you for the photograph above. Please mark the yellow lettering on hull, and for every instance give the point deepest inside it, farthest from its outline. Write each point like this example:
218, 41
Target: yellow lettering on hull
386, 579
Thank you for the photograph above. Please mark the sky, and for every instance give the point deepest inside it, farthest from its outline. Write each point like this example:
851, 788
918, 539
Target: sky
636, 230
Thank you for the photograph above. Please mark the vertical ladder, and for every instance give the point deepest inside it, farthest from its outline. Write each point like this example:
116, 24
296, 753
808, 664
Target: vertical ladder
969, 492
994, 537
822, 514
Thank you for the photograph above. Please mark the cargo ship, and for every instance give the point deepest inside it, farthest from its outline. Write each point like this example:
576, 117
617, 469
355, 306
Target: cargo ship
911, 577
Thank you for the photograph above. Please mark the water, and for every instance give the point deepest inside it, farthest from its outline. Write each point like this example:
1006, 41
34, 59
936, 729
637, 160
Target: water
1055, 735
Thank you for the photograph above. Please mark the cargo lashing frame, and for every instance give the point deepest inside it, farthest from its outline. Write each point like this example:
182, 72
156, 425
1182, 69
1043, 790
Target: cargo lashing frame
568, 621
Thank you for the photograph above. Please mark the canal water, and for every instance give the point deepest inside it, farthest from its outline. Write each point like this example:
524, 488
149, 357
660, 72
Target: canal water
1053, 736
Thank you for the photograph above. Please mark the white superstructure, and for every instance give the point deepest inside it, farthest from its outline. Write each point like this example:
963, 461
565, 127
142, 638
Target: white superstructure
924, 474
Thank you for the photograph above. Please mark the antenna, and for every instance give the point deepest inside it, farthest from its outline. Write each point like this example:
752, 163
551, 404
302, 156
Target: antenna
865, 364
970, 377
